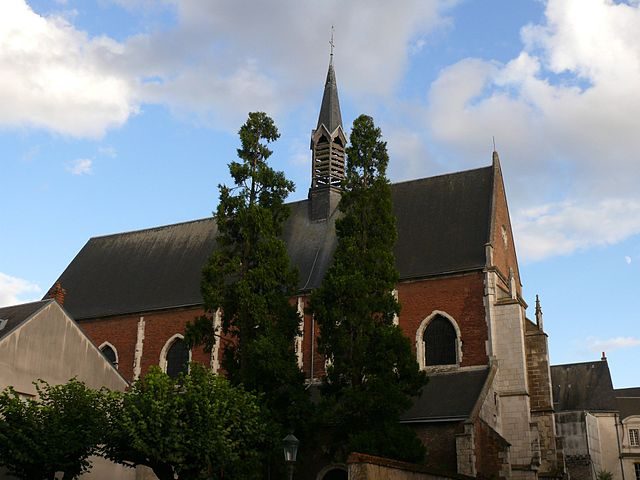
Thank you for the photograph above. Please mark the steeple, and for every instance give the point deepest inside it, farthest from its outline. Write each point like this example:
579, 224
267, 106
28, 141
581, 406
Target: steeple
330, 115
327, 145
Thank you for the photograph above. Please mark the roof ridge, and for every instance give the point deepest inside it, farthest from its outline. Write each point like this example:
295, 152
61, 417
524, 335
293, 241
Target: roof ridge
44, 300
581, 363
149, 229
459, 172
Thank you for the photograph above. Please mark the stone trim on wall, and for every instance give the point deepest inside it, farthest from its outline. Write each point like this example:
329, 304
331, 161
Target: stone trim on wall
163, 353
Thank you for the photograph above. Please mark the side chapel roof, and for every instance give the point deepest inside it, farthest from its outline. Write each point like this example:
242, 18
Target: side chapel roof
461, 391
442, 222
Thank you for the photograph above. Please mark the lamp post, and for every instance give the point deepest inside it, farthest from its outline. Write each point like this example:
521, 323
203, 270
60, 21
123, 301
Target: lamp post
290, 446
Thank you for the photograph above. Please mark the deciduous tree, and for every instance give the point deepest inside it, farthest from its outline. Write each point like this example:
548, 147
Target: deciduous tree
57, 431
197, 426
372, 373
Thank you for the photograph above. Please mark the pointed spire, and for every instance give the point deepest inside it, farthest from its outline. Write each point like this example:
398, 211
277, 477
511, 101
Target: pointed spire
539, 313
496, 158
330, 115
328, 143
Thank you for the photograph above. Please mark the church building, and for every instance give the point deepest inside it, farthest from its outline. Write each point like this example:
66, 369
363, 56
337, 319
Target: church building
487, 410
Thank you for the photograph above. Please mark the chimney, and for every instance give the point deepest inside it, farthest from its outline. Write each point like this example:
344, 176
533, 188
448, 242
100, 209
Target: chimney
57, 293
604, 357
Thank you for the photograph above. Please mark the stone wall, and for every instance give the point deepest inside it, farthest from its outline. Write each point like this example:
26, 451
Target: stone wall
368, 467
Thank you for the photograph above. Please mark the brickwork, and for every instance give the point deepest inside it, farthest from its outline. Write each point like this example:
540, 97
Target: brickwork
461, 298
491, 453
439, 440
121, 332
504, 251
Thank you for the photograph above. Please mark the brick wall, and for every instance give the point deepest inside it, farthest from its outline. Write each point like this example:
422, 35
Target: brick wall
492, 452
461, 297
439, 440
504, 250
121, 332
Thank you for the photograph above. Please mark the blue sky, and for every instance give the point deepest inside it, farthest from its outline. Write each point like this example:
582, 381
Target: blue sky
118, 115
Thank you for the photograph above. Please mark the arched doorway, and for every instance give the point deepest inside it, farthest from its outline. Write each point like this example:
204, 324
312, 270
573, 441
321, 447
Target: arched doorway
333, 473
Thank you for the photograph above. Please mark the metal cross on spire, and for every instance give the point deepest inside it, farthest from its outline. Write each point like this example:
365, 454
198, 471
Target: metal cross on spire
332, 45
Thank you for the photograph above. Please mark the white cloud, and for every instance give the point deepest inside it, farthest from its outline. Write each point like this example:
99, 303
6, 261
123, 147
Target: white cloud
627, 260
108, 151
219, 61
15, 290
562, 228
58, 78
81, 166
611, 344
564, 114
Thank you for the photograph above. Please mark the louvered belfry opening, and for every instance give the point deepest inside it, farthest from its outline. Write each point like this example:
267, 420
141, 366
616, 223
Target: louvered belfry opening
440, 342
328, 162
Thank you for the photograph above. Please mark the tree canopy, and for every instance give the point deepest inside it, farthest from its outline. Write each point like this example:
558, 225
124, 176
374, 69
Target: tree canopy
195, 426
249, 279
57, 431
371, 370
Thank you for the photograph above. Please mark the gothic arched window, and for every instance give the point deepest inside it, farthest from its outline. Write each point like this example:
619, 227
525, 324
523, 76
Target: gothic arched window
440, 342
175, 357
110, 352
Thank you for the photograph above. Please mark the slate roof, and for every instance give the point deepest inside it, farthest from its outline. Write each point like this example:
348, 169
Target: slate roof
628, 401
330, 115
447, 397
442, 222
17, 314
583, 386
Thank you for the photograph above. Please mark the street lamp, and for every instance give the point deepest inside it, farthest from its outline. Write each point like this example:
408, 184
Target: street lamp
290, 446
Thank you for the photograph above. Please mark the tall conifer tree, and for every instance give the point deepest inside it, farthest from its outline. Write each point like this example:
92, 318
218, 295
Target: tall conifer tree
249, 278
372, 372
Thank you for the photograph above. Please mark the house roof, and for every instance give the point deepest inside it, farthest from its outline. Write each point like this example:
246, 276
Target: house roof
583, 386
15, 315
461, 391
628, 401
442, 223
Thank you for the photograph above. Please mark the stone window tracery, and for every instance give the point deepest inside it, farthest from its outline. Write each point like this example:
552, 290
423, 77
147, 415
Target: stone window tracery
438, 342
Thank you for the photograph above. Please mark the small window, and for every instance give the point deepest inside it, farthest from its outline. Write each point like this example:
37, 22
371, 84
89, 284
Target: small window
634, 437
177, 358
637, 468
440, 342
109, 352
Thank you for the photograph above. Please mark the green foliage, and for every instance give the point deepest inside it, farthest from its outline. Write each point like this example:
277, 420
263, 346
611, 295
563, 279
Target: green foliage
55, 432
250, 279
604, 475
198, 426
372, 372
